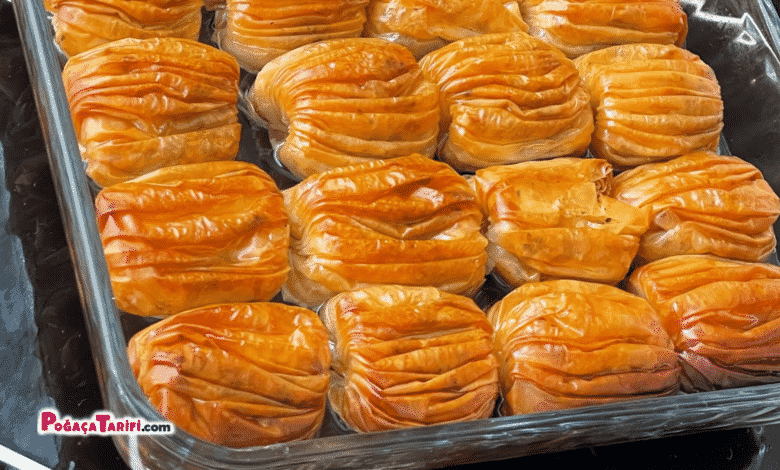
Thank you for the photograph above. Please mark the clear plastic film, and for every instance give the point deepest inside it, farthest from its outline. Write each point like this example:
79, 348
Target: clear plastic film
738, 39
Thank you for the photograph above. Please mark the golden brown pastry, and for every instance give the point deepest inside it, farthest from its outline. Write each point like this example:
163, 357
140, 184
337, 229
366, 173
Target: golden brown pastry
702, 203
409, 356
577, 27
81, 25
426, 25
507, 98
555, 219
723, 315
651, 103
564, 344
257, 31
192, 235
237, 374
409, 220
139, 105
345, 102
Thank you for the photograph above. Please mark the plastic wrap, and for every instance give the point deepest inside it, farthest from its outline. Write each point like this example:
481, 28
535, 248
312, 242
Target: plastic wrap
737, 38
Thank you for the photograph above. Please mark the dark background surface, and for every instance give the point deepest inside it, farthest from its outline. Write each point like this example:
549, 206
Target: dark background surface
45, 360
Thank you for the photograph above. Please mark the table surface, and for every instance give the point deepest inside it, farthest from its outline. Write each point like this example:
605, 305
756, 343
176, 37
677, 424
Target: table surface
45, 359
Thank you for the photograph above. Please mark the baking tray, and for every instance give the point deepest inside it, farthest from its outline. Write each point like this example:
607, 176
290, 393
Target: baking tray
739, 39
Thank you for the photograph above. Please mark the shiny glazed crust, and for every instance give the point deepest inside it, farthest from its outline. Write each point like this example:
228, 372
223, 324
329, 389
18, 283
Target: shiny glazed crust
345, 102
409, 356
564, 344
577, 27
139, 105
193, 235
239, 374
80, 25
426, 25
723, 315
258, 31
703, 203
651, 103
507, 98
409, 220
555, 219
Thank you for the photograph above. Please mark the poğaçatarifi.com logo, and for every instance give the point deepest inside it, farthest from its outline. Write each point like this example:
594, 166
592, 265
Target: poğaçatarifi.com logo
102, 423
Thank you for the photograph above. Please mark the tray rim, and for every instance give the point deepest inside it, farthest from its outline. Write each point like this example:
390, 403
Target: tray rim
513, 436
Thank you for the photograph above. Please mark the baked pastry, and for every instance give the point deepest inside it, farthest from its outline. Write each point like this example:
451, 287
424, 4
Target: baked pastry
434, 365
409, 221
507, 98
345, 102
702, 203
81, 25
723, 316
577, 27
651, 103
564, 344
426, 25
192, 235
139, 105
257, 31
555, 219
237, 374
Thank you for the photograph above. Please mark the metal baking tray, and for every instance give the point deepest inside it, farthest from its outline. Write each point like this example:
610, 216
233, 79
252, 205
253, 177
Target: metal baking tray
739, 39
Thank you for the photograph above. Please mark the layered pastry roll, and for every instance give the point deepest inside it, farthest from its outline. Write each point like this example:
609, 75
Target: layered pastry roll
723, 315
564, 344
409, 221
237, 374
345, 102
651, 103
507, 98
408, 357
577, 27
80, 25
257, 31
426, 25
139, 105
702, 203
555, 219
192, 235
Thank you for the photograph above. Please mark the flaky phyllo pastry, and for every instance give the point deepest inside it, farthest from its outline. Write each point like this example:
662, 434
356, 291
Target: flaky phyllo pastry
80, 25
651, 103
257, 31
702, 203
564, 344
345, 102
192, 235
426, 25
409, 221
409, 356
237, 374
723, 315
139, 105
577, 27
555, 219
507, 98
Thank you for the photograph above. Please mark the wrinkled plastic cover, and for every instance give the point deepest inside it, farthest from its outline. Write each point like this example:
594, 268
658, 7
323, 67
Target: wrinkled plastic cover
738, 38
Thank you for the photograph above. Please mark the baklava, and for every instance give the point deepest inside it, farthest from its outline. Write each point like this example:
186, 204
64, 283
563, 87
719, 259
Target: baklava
702, 203
723, 315
409, 357
409, 221
237, 374
507, 98
345, 102
139, 105
564, 344
192, 235
555, 219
